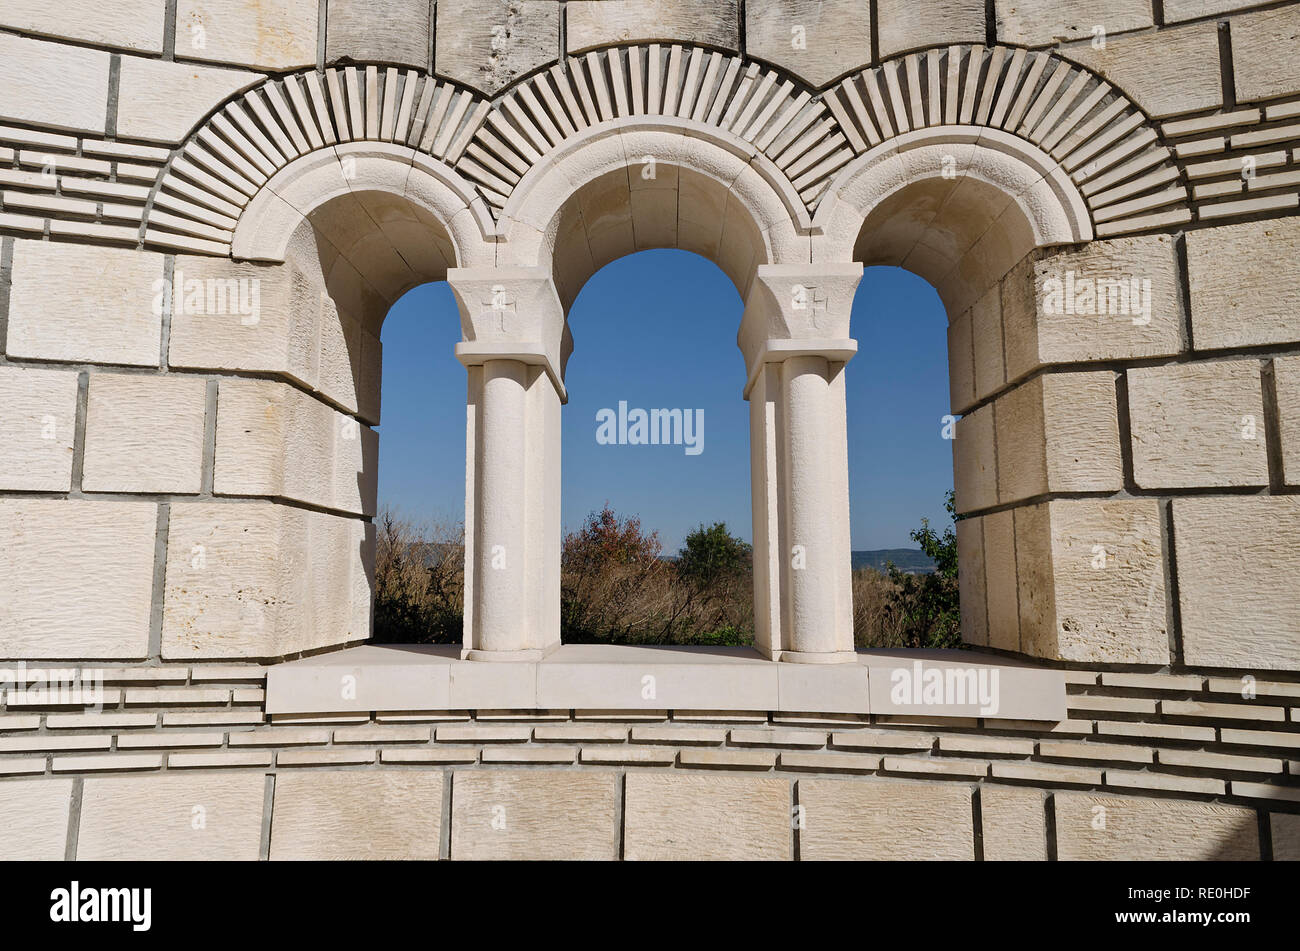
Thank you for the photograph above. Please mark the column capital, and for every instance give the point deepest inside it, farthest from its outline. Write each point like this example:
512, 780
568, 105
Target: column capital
798, 310
511, 313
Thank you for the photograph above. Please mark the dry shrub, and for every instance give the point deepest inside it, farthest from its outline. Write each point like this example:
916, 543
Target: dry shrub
419, 580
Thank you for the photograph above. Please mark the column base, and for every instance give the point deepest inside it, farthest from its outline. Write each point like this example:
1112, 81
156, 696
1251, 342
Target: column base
517, 656
819, 657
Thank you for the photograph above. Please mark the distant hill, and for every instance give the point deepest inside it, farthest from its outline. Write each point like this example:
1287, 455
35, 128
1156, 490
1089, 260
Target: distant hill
908, 560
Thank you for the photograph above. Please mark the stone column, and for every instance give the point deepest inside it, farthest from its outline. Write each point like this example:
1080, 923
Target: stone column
795, 339
515, 347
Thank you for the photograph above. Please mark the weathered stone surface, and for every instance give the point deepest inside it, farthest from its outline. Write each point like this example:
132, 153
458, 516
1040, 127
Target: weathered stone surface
379, 31
77, 102
961, 366
1245, 287
1013, 825
1177, 11
1177, 70
974, 463
1286, 836
1266, 53
488, 44
284, 322
79, 302
36, 428
35, 812
986, 342
1237, 563
971, 581
259, 580
275, 440
165, 101
534, 814
1044, 22
817, 40
907, 25
76, 578
382, 814
262, 34
1198, 424
144, 433
1000, 574
1058, 433
126, 24
1110, 828
1051, 314
707, 817
1286, 382
1091, 581
592, 23
882, 821
172, 817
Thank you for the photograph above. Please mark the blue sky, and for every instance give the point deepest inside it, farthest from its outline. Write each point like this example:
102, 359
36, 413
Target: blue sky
658, 329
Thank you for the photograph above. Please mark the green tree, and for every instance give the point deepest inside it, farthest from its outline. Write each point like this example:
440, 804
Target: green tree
927, 606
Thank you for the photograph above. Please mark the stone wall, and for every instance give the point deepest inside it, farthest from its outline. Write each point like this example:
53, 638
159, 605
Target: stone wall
190, 478
1146, 766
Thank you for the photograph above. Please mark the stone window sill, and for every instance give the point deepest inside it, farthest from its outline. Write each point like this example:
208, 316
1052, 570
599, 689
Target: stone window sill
911, 683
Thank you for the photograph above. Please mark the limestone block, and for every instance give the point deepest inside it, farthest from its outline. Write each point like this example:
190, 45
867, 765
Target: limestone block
76, 578
1236, 580
1286, 836
971, 581
379, 31
974, 463
1286, 381
1078, 306
885, 821
77, 102
1000, 573
262, 34
381, 814
275, 440
1245, 287
126, 24
961, 367
144, 433
1266, 53
534, 814
488, 44
172, 817
36, 428
1111, 828
986, 343
1198, 424
1174, 71
592, 23
816, 40
1044, 22
1177, 11
164, 101
907, 25
259, 580
1058, 433
1091, 581
706, 817
84, 303
1013, 824
35, 815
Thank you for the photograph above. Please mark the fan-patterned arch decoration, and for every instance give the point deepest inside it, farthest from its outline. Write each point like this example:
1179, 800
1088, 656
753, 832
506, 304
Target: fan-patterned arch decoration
1108, 147
1100, 138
